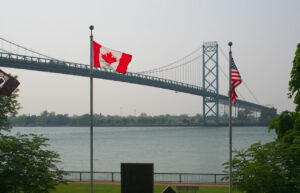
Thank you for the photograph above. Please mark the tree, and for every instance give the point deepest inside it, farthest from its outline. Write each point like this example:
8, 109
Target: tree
267, 115
25, 164
259, 169
294, 83
9, 106
274, 167
287, 128
244, 115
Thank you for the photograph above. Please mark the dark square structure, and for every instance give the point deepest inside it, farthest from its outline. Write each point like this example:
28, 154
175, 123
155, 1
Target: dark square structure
137, 178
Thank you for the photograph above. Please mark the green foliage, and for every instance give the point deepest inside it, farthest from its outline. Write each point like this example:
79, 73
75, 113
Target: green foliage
244, 115
265, 169
51, 119
274, 167
284, 123
9, 107
294, 84
26, 166
287, 125
267, 115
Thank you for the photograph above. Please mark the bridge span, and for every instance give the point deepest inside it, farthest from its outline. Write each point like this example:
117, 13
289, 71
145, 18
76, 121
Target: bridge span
10, 60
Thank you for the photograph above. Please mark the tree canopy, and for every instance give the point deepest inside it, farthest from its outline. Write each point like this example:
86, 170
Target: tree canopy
288, 123
26, 166
294, 84
9, 106
267, 115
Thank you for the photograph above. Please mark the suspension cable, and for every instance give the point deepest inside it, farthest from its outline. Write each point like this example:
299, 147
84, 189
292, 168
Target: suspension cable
5, 51
25, 48
243, 81
155, 70
172, 63
226, 74
178, 66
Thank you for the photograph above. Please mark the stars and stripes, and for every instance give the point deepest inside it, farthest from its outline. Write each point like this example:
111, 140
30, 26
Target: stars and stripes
235, 81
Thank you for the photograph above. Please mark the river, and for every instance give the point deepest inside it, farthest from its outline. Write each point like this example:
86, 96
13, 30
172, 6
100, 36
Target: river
171, 149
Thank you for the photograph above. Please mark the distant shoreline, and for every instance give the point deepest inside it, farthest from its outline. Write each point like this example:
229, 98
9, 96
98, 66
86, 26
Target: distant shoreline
50, 119
202, 125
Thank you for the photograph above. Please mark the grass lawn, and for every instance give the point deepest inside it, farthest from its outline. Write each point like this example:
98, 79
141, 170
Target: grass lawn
105, 188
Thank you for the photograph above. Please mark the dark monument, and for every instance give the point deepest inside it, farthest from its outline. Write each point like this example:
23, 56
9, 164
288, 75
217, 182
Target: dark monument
137, 178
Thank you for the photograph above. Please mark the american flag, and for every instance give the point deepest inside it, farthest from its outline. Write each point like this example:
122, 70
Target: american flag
235, 80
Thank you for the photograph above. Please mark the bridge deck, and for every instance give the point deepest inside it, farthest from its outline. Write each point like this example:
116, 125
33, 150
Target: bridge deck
56, 66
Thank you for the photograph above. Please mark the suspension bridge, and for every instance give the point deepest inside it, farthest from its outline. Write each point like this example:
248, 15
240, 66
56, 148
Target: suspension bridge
197, 74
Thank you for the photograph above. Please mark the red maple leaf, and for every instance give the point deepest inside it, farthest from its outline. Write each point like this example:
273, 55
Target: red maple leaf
109, 58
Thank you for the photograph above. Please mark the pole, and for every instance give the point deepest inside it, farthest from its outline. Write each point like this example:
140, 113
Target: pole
91, 108
230, 119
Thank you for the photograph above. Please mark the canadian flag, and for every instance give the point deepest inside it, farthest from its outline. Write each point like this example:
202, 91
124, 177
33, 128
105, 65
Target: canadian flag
107, 58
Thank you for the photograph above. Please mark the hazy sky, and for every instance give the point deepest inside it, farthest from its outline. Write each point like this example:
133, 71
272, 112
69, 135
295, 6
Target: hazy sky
264, 35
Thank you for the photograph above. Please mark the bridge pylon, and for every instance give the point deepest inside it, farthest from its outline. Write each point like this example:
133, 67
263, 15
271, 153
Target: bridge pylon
210, 80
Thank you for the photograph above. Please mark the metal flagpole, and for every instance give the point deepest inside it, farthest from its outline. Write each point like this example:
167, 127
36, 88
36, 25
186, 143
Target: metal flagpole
230, 119
91, 108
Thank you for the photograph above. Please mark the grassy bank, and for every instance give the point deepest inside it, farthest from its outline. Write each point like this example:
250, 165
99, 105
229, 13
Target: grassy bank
106, 188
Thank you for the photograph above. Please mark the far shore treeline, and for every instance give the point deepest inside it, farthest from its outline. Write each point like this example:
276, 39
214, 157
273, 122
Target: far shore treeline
244, 117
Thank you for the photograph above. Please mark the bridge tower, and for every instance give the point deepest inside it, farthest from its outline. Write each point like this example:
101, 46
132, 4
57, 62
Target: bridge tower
210, 79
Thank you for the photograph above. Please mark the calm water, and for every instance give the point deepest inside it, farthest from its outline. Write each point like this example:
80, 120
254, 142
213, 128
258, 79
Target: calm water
171, 149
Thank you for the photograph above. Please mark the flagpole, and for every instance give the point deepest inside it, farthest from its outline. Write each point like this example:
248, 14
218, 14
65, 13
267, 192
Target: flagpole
91, 110
230, 118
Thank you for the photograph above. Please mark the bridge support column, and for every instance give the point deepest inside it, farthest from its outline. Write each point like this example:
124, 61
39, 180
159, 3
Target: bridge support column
210, 80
